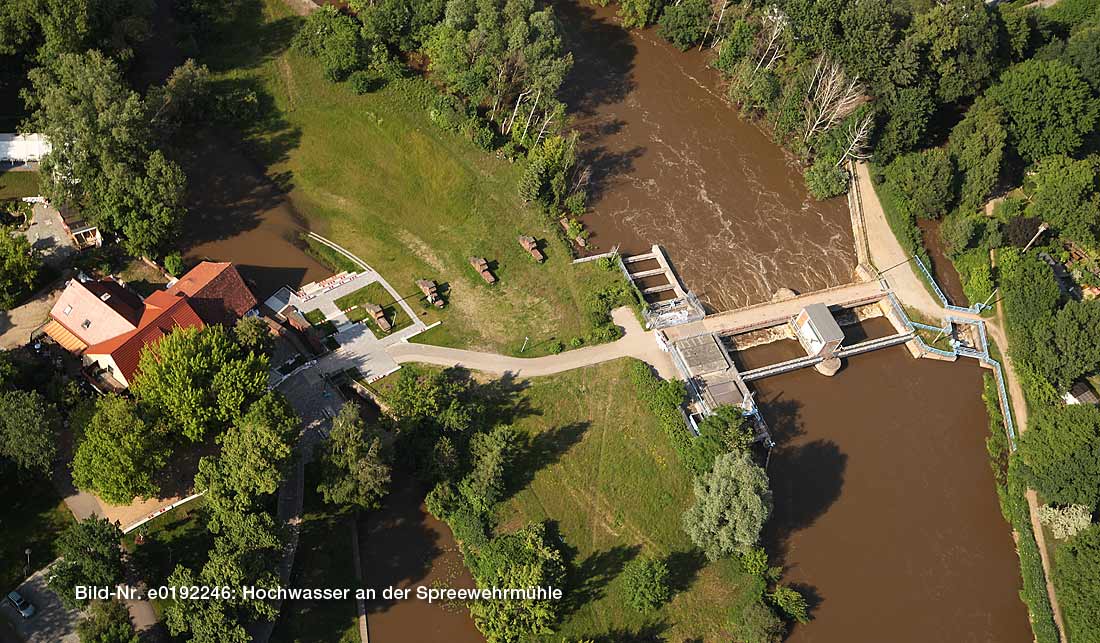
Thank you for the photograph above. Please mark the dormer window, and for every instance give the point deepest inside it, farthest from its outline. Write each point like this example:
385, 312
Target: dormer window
87, 324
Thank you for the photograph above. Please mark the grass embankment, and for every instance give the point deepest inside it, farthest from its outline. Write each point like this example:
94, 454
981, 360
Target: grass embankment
379, 178
606, 474
32, 516
374, 293
1010, 490
15, 185
178, 537
323, 559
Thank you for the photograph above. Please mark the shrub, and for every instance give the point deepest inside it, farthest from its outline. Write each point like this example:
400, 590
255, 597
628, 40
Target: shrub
732, 503
958, 230
364, 82
1065, 522
825, 179
756, 622
647, 584
173, 263
924, 180
683, 24
575, 203
791, 603
664, 399
976, 274
556, 347
468, 526
333, 38
735, 46
576, 342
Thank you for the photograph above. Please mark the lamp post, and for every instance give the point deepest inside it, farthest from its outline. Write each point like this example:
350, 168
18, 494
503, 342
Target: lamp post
27, 569
1043, 227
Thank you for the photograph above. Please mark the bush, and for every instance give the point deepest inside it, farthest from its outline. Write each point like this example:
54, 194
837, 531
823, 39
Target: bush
791, 603
976, 274
173, 263
683, 24
1065, 522
469, 527
664, 399
574, 203
825, 179
925, 181
333, 38
364, 82
556, 347
756, 622
735, 46
448, 113
646, 581
958, 230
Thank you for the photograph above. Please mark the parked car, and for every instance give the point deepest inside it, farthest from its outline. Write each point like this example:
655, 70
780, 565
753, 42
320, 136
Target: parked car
21, 605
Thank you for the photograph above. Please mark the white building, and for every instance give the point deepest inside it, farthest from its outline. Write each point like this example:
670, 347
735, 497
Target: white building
23, 148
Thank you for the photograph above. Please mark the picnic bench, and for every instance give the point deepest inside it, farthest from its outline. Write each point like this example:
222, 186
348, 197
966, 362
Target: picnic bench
430, 291
482, 267
531, 246
379, 316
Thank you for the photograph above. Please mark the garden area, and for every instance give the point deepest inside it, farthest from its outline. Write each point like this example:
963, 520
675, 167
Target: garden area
178, 537
374, 174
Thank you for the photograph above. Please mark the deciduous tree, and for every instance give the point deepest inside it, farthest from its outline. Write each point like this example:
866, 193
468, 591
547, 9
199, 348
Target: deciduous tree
732, 503
91, 554
119, 454
28, 430
1060, 450
355, 470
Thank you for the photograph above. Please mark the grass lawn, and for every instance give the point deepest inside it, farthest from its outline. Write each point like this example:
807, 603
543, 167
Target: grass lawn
178, 537
376, 176
142, 278
602, 469
14, 185
374, 293
31, 515
323, 559
335, 261
317, 319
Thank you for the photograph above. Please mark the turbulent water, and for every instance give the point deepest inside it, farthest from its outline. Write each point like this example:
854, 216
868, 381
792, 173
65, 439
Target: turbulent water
673, 164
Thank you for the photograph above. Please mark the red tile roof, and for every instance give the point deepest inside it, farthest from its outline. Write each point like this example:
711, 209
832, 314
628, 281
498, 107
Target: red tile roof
164, 312
216, 292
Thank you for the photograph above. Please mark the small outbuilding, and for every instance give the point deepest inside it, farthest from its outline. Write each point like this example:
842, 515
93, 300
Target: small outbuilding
1081, 393
431, 291
379, 316
818, 331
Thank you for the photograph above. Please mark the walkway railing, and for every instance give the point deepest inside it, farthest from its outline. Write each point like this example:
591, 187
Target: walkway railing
975, 309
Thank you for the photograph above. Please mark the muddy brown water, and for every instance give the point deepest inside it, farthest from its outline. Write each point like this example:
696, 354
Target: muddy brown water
947, 278
404, 546
885, 510
673, 164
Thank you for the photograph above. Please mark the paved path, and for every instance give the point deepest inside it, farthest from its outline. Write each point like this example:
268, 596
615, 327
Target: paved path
52, 622
635, 342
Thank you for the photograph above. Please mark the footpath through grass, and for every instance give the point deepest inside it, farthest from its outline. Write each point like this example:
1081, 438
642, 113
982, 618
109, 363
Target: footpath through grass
604, 472
375, 175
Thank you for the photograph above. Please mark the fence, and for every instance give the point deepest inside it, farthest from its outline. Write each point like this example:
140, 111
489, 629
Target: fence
975, 309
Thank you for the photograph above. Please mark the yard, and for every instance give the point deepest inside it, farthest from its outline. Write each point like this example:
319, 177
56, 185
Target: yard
31, 517
317, 319
376, 176
178, 537
17, 184
324, 559
604, 472
373, 293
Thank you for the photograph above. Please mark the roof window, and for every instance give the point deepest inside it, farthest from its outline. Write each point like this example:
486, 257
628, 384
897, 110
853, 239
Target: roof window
87, 324
68, 309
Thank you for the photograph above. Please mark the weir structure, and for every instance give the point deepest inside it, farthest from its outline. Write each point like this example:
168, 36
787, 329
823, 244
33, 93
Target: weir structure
666, 304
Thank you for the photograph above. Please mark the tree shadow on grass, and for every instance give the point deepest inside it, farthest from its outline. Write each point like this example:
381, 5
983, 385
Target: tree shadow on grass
684, 568
652, 632
543, 450
588, 578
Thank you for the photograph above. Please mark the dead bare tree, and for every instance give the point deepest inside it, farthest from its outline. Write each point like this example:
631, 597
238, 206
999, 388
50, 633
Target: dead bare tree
857, 134
775, 24
830, 97
719, 12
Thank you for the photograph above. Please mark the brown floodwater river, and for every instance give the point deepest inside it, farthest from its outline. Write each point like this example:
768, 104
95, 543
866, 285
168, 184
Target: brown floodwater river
885, 508
673, 164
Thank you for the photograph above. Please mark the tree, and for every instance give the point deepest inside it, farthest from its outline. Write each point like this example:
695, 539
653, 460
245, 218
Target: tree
1059, 452
1083, 52
333, 38
683, 24
756, 622
490, 454
194, 377
958, 41
1065, 196
1077, 580
905, 113
525, 558
1048, 108
107, 622
354, 471
1076, 344
28, 430
253, 334
119, 453
721, 432
732, 503
19, 264
925, 180
1065, 522
647, 583
791, 602
254, 454
91, 554
977, 146
870, 35
102, 158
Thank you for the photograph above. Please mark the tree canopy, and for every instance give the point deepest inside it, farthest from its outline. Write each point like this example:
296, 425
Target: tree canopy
91, 554
119, 453
28, 430
1060, 450
1077, 580
355, 470
19, 267
732, 503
